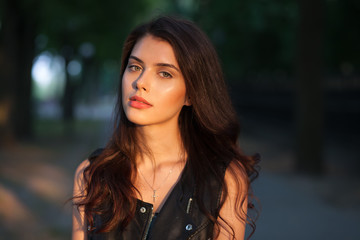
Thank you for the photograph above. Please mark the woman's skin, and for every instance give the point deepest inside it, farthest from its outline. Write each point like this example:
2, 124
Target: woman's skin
153, 74
154, 93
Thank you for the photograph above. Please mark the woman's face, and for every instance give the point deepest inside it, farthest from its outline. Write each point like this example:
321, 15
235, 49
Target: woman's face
153, 88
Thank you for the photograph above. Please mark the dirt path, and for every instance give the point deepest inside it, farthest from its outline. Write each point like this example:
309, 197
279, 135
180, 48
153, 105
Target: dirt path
36, 181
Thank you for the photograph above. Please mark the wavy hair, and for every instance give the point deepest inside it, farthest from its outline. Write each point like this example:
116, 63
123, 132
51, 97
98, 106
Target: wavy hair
209, 130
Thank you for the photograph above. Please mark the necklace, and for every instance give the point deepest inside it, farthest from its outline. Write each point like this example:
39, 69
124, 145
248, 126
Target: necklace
154, 196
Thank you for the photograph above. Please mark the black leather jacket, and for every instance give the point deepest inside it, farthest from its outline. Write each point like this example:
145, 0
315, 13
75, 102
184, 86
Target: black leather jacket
179, 217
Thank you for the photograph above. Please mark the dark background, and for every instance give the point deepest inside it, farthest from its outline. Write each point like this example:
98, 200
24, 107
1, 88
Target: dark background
292, 68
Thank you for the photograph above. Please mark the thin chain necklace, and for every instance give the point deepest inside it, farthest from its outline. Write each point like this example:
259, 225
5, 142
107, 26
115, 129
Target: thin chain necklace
154, 196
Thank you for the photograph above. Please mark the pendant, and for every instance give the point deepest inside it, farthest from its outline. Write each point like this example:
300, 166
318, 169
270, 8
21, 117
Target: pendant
154, 196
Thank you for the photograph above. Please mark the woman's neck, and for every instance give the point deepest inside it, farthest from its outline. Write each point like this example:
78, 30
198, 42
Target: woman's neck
164, 143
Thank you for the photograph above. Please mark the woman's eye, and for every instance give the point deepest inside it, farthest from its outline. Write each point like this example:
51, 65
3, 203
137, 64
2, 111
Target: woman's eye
165, 74
134, 68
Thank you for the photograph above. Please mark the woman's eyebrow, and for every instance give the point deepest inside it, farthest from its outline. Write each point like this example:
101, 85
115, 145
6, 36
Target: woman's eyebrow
136, 58
167, 65
157, 64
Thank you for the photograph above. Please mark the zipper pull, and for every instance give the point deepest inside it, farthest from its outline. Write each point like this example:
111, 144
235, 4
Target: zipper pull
189, 205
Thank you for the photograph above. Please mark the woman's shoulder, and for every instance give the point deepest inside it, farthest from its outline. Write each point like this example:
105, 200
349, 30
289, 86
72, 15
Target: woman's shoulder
84, 164
236, 177
81, 167
95, 154
234, 209
79, 175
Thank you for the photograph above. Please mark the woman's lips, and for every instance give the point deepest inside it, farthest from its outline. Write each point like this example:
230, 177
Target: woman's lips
139, 102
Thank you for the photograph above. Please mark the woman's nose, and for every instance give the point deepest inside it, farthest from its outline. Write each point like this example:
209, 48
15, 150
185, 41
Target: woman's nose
143, 83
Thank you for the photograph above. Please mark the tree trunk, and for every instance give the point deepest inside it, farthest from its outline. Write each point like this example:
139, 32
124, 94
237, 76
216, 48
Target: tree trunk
8, 64
23, 114
17, 53
68, 98
309, 93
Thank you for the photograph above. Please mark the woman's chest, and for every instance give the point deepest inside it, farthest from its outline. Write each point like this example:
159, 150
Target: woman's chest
156, 191
179, 218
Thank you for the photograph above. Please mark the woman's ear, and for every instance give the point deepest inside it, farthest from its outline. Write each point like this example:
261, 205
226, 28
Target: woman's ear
187, 101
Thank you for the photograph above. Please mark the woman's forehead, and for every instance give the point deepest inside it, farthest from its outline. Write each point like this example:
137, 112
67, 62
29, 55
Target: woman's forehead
154, 50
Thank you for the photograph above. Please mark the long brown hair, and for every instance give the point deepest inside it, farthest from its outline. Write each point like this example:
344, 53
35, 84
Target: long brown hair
209, 131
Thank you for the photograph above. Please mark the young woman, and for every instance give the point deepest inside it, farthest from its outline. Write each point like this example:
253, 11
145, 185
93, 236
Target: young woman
172, 169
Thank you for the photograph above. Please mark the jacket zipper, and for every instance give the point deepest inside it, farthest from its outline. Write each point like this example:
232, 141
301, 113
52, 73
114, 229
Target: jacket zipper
148, 224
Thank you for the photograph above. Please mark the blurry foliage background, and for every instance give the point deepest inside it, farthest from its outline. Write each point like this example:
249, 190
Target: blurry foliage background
292, 68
